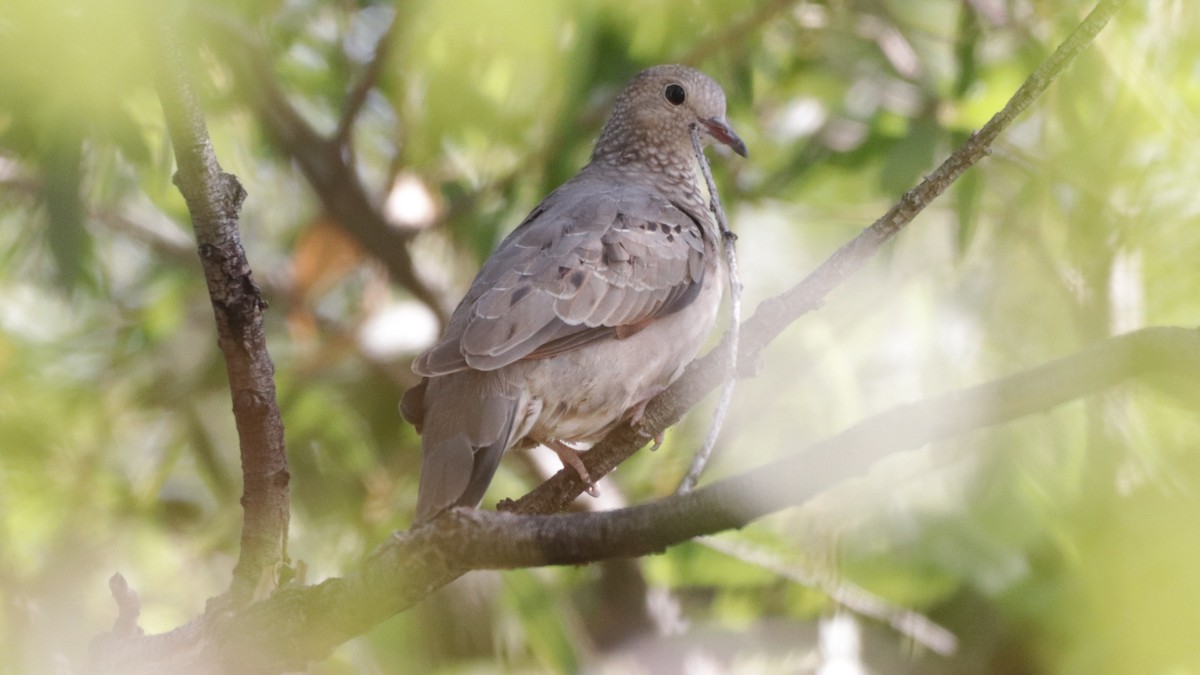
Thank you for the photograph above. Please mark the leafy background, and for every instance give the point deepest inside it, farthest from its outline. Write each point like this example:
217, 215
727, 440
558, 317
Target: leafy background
1062, 543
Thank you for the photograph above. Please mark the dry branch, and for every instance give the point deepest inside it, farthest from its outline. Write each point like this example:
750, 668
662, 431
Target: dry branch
214, 199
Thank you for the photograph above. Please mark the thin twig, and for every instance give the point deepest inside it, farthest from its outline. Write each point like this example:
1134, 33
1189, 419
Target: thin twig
129, 607
777, 313
916, 626
728, 239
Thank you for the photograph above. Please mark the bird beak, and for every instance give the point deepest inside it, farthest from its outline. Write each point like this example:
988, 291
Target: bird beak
719, 129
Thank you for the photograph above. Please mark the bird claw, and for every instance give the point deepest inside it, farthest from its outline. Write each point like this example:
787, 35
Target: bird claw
571, 458
638, 413
637, 418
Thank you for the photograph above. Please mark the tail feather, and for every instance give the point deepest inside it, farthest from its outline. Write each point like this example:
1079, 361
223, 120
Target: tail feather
446, 468
467, 422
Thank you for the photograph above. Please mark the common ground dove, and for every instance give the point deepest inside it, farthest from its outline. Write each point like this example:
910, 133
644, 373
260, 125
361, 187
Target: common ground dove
591, 307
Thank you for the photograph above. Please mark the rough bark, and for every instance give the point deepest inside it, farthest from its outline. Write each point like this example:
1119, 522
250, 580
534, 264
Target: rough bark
214, 199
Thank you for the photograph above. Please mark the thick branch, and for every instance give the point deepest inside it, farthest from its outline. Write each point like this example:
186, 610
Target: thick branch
214, 199
413, 564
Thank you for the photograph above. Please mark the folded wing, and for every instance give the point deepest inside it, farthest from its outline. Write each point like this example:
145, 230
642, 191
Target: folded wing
586, 265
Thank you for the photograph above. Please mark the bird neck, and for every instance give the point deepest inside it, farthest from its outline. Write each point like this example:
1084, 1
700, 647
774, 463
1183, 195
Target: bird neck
671, 170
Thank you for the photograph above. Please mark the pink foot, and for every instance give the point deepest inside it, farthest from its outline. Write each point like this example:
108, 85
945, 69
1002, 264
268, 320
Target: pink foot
571, 458
636, 415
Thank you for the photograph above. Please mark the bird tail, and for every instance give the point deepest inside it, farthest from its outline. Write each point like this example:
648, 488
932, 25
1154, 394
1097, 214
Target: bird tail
466, 422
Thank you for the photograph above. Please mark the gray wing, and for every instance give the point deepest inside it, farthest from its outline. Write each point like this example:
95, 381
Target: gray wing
589, 263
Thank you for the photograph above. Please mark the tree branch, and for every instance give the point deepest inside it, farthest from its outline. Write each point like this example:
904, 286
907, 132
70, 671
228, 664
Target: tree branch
214, 199
913, 625
413, 564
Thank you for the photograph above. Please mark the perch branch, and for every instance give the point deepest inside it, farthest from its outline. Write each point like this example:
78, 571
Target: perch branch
412, 564
214, 199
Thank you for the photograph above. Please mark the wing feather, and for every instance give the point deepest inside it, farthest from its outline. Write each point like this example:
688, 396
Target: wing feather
590, 263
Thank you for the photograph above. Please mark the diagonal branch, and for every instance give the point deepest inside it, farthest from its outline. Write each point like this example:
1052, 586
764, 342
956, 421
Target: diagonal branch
776, 314
914, 626
214, 199
412, 564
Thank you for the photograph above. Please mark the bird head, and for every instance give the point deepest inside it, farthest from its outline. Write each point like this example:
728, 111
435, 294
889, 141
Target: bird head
654, 115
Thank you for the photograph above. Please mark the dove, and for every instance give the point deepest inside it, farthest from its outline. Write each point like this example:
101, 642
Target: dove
591, 307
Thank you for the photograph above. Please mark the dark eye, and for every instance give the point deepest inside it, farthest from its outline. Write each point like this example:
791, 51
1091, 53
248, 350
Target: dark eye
675, 94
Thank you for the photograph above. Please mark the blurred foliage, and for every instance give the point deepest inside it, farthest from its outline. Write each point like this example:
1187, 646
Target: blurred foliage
1064, 543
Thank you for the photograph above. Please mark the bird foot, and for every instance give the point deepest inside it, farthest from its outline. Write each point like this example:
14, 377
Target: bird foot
637, 417
571, 458
638, 413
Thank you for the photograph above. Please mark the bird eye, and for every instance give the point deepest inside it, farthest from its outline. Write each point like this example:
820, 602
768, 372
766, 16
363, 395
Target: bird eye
675, 94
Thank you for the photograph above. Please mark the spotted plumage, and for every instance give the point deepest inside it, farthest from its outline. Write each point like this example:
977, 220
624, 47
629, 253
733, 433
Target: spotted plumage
589, 308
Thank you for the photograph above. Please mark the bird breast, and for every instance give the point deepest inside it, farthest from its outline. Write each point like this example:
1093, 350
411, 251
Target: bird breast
580, 395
